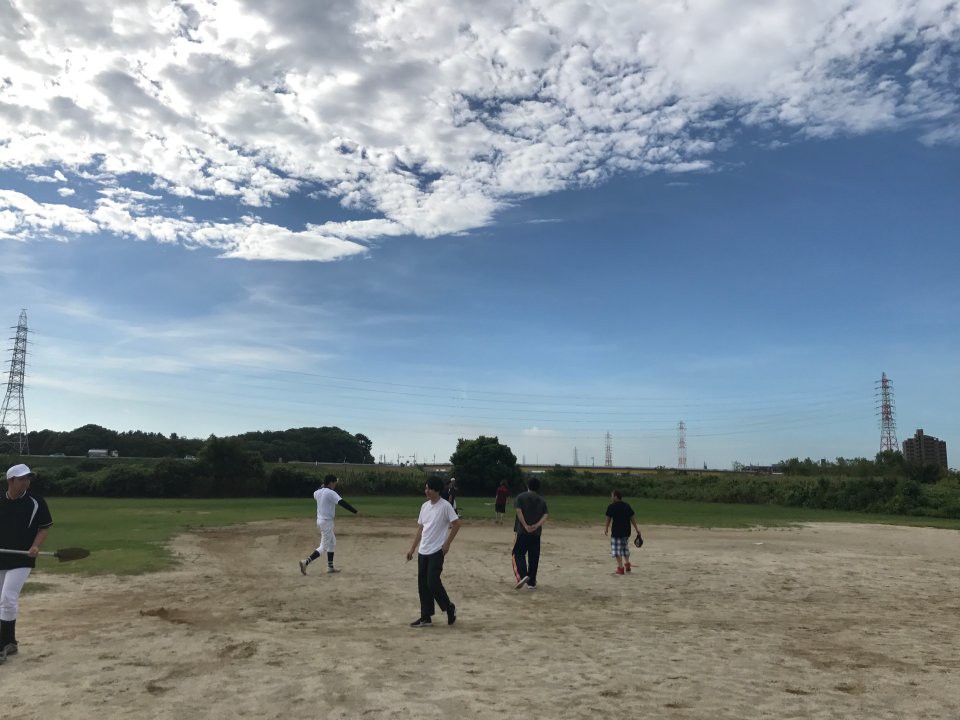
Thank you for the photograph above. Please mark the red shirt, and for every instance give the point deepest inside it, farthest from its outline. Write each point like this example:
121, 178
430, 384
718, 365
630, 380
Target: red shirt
502, 494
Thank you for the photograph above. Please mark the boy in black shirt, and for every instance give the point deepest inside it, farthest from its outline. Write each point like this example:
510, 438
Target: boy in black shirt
621, 515
24, 524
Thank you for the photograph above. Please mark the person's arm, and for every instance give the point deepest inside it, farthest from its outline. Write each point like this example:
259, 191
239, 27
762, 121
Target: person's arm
454, 529
523, 521
38, 541
416, 542
606, 528
633, 519
347, 506
539, 524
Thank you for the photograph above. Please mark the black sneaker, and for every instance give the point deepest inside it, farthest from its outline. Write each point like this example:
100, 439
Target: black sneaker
451, 614
8, 650
421, 622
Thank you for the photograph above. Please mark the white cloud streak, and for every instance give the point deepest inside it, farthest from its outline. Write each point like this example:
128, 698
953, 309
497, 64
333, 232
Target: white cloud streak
430, 116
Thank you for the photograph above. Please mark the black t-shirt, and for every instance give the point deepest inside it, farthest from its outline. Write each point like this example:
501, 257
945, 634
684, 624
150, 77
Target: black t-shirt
20, 520
534, 507
621, 513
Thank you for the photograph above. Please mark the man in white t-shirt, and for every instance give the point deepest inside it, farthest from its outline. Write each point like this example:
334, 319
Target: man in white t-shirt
327, 500
437, 526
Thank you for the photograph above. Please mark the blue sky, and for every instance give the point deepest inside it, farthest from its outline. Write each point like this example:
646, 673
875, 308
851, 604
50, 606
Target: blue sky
539, 221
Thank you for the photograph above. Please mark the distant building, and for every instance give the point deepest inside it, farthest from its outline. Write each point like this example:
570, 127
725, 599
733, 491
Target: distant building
925, 450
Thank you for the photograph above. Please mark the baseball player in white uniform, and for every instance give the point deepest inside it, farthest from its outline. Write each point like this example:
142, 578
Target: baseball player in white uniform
327, 500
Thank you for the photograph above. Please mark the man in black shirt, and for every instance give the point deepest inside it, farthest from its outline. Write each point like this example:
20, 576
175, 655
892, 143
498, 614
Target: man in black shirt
620, 514
24, 523
531, 515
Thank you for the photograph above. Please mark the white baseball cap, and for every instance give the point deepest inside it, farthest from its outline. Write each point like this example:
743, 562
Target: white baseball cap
18, 471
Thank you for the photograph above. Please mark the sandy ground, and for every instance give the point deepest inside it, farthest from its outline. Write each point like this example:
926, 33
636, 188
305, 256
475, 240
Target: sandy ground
823, 621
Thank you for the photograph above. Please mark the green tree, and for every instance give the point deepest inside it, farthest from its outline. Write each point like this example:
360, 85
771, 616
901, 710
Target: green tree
479, 465
235, 470
366, 445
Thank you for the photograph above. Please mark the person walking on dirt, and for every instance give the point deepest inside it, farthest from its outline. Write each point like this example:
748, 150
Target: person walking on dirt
24, 524
452, 495
531, 515
327, 500
620, 515
500, 501
437, 526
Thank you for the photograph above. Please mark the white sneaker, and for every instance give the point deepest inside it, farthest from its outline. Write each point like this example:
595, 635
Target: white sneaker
303, 567
332, 570
521, 583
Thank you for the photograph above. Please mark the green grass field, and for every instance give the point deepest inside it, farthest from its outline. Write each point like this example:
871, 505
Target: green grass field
131, 536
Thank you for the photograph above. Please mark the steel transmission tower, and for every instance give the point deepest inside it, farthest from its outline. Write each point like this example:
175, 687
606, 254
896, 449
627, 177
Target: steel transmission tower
888, 425
608, 451
681, 445
13, 414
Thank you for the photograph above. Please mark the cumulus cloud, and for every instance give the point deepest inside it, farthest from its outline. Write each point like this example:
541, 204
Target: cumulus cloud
18, 211
24, 219
55, 178
431, 115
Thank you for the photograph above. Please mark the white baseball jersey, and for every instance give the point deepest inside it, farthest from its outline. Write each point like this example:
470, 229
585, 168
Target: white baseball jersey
327, 500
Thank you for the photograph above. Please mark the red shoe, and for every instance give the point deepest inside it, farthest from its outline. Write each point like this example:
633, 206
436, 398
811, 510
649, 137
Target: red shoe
627, 567
619, 571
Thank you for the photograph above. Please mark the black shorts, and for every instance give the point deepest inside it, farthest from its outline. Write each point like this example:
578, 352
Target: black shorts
500, 508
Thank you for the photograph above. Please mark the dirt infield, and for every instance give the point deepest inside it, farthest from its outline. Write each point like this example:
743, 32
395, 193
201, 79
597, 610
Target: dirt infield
823, 621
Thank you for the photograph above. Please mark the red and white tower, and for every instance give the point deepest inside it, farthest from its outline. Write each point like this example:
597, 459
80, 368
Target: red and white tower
885, 409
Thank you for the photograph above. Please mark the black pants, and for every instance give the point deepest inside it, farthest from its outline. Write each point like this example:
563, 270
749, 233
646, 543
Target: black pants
431, 588
526, 557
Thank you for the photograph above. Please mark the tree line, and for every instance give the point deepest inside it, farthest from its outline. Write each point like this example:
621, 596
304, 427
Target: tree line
307, 444
230, 467
886, 464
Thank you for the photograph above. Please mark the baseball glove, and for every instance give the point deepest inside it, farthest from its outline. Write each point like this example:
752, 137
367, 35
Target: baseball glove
638, 540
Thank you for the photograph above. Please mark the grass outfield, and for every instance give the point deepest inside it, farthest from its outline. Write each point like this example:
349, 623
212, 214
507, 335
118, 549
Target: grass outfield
129, 536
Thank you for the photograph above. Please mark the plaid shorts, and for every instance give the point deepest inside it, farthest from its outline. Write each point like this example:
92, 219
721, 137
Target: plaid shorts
620, 547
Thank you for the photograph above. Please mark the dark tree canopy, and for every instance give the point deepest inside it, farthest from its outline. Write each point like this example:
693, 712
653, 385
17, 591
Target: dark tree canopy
479, 465
236, 471
310, 444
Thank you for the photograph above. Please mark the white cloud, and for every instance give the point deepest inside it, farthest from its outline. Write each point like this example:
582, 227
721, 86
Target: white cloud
23, 218
432, 115
539, 432
66, 192
20, 211
56, 177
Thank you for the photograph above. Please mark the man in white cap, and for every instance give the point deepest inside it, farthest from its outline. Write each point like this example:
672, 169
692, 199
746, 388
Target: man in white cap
24, 523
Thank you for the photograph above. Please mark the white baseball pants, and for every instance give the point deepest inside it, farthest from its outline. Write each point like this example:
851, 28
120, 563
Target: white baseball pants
11, 583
